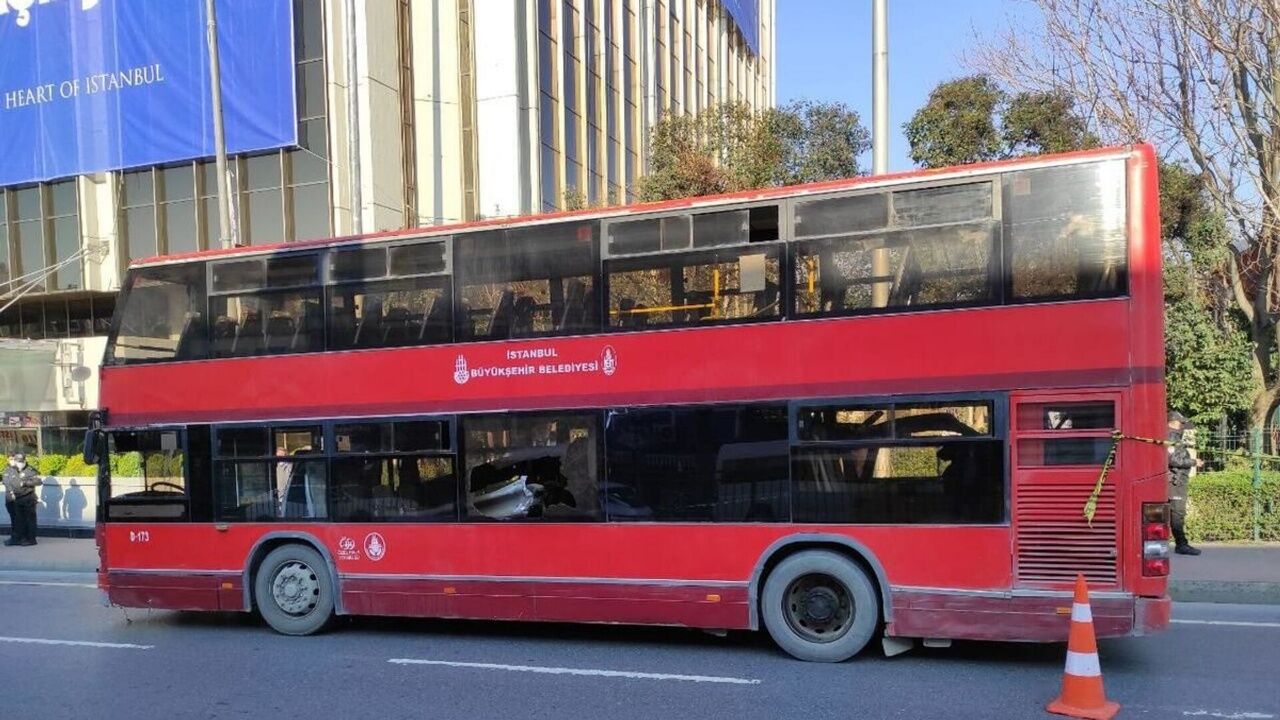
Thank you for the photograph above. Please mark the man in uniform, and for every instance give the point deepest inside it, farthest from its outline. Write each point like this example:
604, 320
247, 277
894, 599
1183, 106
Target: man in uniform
20, 483
1180, 464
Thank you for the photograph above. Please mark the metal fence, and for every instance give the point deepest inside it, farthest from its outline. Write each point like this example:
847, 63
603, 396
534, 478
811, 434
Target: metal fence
1254, 451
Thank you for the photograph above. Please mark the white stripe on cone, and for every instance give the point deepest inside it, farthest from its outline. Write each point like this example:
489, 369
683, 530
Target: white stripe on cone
1083, 664
1080, 612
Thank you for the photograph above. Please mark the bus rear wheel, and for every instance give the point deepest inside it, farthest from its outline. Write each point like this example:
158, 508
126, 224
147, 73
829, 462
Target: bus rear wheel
819, 606
293, 590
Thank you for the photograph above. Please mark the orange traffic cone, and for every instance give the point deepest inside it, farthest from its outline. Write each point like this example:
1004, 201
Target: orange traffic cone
1082, 695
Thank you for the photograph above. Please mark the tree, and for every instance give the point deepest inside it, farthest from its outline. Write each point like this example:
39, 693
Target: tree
972, 119
730, 147
957, 125
821, 141
1199, 78
1207, 373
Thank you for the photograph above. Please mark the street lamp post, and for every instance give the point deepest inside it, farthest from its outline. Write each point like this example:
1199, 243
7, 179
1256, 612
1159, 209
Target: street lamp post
227, 232
880, 134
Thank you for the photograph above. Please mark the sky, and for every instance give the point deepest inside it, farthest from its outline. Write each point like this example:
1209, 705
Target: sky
824, 53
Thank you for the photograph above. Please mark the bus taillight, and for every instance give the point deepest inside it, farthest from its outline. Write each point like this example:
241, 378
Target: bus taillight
1155, 539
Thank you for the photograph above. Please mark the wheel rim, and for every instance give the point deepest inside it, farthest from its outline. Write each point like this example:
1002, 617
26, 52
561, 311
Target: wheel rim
818, 608
295, 588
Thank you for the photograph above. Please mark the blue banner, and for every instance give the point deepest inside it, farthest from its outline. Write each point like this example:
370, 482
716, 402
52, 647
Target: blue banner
94, 85
746, 14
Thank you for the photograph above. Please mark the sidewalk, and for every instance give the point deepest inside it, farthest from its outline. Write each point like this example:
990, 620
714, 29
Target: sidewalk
52, 554
1247, 574
1228, 574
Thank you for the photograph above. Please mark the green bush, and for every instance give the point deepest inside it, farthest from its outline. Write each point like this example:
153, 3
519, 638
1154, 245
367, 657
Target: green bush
126, 464
49, 464
76, 467
1220, 506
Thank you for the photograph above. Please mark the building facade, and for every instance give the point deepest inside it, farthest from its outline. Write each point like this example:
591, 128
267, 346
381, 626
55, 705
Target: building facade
410, 113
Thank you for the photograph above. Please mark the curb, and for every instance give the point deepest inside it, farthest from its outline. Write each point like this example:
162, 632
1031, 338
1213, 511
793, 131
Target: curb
1225, 591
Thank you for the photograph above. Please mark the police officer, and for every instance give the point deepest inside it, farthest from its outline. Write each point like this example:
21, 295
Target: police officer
20, 483
1180, 464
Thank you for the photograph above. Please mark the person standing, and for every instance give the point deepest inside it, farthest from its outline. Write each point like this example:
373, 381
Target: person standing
9, 507
1181, 463
20, 483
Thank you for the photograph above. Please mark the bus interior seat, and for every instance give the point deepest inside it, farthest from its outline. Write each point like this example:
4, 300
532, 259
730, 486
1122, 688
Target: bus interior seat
248, 335
310, 331
571, 315
368, 330
435, 328
500, 323
466, 324
522, 316
224, 335
190, 322
281, 332
396, 324
590, 310
626, 318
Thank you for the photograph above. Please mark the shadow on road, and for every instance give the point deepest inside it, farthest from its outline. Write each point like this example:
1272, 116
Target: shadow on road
1119, 653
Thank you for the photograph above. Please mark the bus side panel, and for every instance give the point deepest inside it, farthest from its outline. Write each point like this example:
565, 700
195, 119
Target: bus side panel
697, 574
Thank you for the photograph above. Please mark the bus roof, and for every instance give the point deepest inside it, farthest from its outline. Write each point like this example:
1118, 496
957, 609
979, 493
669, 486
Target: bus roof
697, 202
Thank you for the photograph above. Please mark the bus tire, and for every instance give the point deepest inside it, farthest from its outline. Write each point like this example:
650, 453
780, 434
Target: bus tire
819, 606
293, 590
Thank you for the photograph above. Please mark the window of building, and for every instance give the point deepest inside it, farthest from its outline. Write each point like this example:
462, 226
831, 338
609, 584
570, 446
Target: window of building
40, 228
1065, 231
390, 296
408, 143
270, 473
55, 317
265, 306
1065, 433
527, 282
279, 195
898, 463
918, 247
386, 471
533, 466
711, 463
162, 316
548, 106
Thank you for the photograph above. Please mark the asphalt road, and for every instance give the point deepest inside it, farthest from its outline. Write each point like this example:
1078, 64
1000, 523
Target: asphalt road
63, 655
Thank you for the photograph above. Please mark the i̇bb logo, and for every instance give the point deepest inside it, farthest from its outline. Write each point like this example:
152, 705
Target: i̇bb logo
374, 546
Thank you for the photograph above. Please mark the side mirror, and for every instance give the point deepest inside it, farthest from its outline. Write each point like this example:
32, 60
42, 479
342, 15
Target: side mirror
80, 373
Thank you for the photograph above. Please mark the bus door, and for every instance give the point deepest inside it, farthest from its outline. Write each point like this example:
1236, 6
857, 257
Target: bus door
1060, 442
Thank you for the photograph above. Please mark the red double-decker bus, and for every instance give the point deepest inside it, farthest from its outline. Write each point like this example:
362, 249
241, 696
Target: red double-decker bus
826, 410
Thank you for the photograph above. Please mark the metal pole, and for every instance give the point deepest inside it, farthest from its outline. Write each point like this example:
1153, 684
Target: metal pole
880, 132
227, 232
880, 86
353, 119
1255, 441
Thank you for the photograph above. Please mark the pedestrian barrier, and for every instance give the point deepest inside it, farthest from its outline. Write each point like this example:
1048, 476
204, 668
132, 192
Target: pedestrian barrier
1082, 693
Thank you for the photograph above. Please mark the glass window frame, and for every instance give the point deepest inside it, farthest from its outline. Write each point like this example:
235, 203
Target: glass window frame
598, 416
782, 247
218, 460
188, 499
1123, 288
1000, 431
122, 303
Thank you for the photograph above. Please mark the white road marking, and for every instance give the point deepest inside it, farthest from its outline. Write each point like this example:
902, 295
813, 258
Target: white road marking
1232, 623
1228, 716
580, 671
75, 643
39, 583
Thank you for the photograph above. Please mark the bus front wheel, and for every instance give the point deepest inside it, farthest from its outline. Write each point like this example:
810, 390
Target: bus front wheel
293, 590
819, 606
